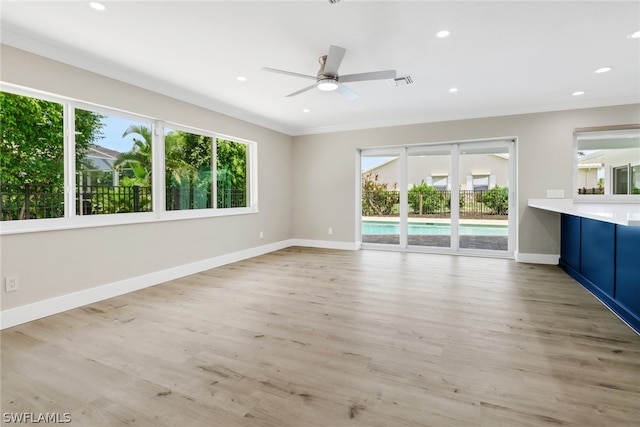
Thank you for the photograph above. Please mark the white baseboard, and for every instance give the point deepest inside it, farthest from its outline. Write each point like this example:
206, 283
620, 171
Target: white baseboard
37, 310
326, 244
550, 259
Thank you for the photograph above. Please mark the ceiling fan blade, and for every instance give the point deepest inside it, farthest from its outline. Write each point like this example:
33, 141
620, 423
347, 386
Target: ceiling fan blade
288, 73
373, 75
346, 92
298, 92
334, 59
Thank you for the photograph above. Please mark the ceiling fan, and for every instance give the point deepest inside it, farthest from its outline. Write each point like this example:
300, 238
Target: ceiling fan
328, 79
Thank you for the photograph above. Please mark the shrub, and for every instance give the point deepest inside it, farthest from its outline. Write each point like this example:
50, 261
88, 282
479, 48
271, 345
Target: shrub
432, 199
377, 199
497, 199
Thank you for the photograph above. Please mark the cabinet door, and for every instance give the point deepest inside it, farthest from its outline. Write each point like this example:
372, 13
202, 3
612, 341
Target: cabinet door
570, 241
628, 267
597, 259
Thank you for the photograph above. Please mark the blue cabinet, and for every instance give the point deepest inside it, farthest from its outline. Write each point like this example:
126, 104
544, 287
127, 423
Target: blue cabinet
570, 241
628, 267
597, 258
605, 259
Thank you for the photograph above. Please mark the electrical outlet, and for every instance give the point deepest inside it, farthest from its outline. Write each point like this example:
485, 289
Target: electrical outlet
262, 234
330, 231
11, 284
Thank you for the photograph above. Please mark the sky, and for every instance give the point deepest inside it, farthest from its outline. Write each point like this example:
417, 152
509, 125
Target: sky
113, 129
367, 162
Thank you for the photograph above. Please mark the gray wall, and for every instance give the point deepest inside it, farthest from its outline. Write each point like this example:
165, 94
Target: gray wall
306, 185
324, 190
55, 263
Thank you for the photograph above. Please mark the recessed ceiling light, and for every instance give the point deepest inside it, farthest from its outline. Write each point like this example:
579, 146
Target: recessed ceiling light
635, 35
442, 34
97, 6
578, 93
241, 78
603, 70
305, 110
453, 90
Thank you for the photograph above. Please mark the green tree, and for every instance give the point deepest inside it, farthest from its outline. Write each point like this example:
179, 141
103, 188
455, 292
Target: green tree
32, 145
231, 163
32, 154
231, 167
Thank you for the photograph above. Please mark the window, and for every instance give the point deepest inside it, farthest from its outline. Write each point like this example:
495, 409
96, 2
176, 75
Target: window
480, 182
608, 162
31, 158
626, 179
189, 170
231, 167
440, 182
112, 163
191, 165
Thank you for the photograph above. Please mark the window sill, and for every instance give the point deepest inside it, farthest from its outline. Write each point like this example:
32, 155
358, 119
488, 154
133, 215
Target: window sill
93, 221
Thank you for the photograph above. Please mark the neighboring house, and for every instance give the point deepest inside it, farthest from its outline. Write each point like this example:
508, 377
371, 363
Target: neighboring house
609, 170
477, 172
98, 162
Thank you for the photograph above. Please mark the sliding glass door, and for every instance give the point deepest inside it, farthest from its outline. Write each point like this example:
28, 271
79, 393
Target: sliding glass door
429, 186
380, 180
484, 196
449, 197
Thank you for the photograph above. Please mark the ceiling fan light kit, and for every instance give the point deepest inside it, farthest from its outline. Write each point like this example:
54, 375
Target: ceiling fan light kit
327, 85
328, 80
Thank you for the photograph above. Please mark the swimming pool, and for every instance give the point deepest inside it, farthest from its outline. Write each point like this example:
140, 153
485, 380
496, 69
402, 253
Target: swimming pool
429, 228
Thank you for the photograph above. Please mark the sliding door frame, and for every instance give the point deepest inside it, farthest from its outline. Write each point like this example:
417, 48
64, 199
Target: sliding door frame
455, 147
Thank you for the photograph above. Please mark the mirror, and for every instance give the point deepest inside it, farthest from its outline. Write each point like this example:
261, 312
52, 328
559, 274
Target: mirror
607, 162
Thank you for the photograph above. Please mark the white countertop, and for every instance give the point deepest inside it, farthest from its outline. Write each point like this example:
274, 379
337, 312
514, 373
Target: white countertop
617, 213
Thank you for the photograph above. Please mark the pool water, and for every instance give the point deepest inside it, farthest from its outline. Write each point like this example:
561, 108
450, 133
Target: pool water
426, 228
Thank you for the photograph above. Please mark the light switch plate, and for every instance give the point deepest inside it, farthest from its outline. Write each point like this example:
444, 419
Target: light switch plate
555, 194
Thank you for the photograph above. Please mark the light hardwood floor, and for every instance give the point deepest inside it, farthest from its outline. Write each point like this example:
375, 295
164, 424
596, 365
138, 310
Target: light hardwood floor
311, 337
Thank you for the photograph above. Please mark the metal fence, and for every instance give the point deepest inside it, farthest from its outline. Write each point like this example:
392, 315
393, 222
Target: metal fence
38, 201
598, 190
180, 198
434, 205
106, 199
29, 201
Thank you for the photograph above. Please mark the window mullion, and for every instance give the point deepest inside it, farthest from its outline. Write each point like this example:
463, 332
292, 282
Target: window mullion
214, 173
455, 197
158, 190
70, 161
404, 207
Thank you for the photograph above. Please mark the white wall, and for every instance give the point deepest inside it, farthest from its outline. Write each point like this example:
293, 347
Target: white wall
54, 263
324, 190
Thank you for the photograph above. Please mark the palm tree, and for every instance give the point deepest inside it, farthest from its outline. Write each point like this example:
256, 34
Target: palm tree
139, 158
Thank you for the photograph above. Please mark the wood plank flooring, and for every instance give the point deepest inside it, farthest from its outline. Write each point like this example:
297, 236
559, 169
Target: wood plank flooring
312, 337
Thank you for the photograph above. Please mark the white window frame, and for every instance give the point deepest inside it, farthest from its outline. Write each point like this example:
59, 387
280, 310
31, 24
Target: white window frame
159, 213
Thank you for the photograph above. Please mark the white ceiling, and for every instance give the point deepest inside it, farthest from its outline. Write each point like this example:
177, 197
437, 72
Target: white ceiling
505, 57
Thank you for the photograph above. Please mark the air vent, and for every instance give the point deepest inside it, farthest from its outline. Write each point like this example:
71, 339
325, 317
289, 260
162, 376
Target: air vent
333, 1
401, 81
